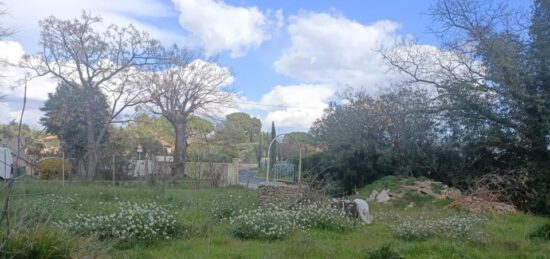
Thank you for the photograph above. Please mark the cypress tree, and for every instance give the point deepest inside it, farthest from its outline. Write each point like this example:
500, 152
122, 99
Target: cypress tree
273, 151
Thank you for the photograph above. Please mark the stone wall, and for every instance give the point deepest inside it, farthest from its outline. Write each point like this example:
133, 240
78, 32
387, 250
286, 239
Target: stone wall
281, 195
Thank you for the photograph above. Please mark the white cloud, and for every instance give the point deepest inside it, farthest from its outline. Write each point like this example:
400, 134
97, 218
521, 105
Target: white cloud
327, 48
219, 26
13, 92
11, 51
10, 85
294, 106
4, 116
24, 15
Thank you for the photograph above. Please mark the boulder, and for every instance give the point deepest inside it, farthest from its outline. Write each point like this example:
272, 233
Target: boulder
372, 196
383, 196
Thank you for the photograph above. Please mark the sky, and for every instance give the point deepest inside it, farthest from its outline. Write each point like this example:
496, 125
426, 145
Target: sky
288, 58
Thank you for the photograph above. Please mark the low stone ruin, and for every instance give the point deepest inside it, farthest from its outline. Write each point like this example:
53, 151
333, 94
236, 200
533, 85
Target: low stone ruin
281, 195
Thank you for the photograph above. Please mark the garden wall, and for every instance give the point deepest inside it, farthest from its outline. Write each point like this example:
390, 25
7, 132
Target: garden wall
217, 174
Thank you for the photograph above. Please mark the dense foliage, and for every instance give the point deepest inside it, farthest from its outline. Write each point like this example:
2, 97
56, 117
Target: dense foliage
542, 231
52, 168
63, 116
479, 105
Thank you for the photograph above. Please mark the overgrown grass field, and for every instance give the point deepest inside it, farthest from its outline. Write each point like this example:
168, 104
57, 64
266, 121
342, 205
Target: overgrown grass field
204, 223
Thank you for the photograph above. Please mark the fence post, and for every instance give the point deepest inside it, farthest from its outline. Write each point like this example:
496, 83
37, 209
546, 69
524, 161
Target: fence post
156, 171
235, 176
63, 170
114, 170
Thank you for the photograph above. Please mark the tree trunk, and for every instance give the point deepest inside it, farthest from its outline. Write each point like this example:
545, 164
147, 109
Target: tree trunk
91, 152
180, 154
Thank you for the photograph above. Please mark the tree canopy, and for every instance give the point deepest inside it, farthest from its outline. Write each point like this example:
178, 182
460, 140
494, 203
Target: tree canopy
63, 117
477, 105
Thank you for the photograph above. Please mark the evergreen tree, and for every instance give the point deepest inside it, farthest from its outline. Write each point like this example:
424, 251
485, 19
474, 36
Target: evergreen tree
273, 151
64, 116
538, 112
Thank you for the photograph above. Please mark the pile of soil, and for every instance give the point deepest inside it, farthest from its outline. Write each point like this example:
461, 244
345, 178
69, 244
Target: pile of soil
437, 190
476, 204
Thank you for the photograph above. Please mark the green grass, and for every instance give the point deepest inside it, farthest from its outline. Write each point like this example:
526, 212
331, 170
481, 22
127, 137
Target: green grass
508, 236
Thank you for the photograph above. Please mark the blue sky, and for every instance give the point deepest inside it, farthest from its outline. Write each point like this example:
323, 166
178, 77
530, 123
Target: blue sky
289, 58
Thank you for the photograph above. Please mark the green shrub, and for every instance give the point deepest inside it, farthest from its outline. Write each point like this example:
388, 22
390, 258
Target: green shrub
230, 208
264, 224
52, 168
43, 242
133, 222
384, 252
320, 216
542, 231
276, 223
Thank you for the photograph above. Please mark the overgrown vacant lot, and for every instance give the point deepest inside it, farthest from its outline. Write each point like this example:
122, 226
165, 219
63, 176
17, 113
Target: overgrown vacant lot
201, 226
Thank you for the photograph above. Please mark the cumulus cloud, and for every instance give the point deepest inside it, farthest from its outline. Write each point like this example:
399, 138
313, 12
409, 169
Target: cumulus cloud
329, 48
294, 106
4, 116
38, 88
24, 15
330, 53
220, 26
12, 92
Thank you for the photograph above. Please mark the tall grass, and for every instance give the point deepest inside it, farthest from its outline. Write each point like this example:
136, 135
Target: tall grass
42, 203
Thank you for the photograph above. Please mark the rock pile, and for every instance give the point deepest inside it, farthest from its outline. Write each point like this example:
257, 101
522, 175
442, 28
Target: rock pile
382, 196
436, 190
472, 201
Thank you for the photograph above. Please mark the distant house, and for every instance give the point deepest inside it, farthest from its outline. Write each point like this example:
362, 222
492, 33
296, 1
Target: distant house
51, 144
24, 161
167, 146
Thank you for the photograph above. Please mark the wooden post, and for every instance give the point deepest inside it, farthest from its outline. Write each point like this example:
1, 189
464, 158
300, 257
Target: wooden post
300, 163
63, 170
114, 170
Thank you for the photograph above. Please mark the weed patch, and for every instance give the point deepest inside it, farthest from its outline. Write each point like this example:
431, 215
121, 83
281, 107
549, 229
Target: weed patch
384, 252
465, 227
542, 232
132, 222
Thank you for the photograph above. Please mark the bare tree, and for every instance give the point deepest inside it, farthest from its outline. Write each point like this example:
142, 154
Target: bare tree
75, 53
5, 33
492, 75
480, 72
184, 85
